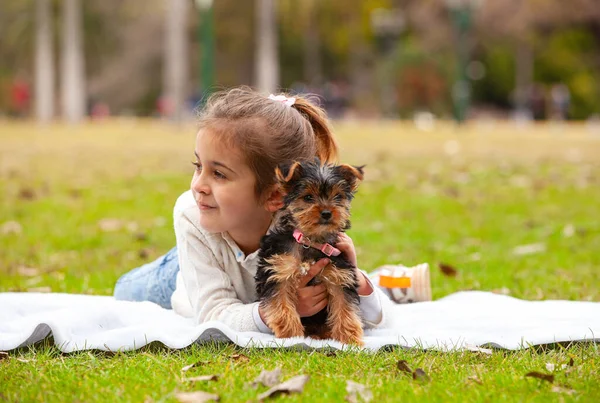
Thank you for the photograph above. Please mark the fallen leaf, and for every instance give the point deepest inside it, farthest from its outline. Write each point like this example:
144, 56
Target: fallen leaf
11, 227
447, 270
196, 397
482, 350
240, 357
267, 378
27, 271
140, 236
202, 378
551, 367
26, 194
403, 366
196, 364
560, 389
39, 289
502, 291
475, 378
293, 385
144, 253
420, 375
356, 390
110, 224
24, 360
568, 231
571, 362
539, 375
529, 249
3, 355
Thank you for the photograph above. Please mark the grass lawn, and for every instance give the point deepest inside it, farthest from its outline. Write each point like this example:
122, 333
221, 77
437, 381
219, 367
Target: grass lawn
82, 205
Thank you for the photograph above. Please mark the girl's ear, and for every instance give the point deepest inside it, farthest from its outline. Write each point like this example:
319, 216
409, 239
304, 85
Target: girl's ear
274, 201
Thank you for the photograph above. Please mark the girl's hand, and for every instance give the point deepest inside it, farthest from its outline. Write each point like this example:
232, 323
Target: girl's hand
312, 299
346, 246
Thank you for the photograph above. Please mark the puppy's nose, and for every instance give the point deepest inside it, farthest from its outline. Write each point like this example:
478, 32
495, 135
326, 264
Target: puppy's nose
326, 214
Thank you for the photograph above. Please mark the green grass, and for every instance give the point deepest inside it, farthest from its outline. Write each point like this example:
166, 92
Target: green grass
466, 197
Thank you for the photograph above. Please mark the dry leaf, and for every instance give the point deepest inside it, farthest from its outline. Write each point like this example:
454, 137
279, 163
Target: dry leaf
356, 390
39, 289
27, 271
24, 360
196, 397
502, 291
560, 389
11, 227
202, 378
539, 375
3, 355
420, 375
551, 367
475, 378
110, 224
240, 357
447, 270
293, 385
403, 366
267, 378
529, 249
482, 350
571, 362
26, 194
196, 364
568, 231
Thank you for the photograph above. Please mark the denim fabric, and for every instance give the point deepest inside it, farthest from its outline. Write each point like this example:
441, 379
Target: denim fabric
153, 282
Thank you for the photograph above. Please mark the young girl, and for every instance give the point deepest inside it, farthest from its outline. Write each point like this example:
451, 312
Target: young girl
219, 222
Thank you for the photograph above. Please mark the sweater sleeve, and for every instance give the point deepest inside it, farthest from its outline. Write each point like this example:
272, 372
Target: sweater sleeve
375, 308
207, 285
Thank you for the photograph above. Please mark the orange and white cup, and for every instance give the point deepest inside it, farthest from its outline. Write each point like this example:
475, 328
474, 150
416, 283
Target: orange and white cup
403, 284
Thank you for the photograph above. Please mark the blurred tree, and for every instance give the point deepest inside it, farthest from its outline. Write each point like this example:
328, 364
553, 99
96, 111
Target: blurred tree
44, 62
72, 78
175, 66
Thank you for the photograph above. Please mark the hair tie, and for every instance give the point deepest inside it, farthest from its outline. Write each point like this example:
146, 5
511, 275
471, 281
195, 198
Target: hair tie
282, 98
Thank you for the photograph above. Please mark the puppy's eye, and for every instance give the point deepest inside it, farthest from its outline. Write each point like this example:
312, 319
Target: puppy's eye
308, 199
337, 197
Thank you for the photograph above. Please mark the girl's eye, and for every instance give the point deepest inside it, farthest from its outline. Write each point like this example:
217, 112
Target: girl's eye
219, 175
197, 165
308, 198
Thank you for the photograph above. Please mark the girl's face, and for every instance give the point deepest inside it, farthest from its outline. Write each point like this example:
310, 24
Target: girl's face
223, 186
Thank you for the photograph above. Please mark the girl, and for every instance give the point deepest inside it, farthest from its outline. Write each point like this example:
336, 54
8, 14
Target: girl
219, 222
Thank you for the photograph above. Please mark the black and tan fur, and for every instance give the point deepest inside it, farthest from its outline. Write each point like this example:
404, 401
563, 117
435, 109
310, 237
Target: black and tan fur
316, 202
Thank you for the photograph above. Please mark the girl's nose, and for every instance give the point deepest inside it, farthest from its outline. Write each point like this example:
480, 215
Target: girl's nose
199, 184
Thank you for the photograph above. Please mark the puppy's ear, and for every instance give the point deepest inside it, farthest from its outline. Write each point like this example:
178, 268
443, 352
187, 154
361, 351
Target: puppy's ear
352, 174
288, 173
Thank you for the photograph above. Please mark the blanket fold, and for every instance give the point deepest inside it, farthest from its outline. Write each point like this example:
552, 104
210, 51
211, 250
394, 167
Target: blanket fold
460, 320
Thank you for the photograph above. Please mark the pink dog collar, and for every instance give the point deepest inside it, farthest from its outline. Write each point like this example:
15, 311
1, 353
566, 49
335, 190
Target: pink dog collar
324, 247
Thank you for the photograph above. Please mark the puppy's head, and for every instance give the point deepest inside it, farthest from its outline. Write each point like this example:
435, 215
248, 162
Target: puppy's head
318, 195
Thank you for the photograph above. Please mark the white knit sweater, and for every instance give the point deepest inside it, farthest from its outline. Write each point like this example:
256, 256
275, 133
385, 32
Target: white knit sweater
216, 279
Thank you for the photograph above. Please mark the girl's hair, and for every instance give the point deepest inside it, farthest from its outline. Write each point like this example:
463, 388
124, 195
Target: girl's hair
269, 132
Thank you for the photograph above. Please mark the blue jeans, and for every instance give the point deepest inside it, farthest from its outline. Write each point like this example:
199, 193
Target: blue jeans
154, 282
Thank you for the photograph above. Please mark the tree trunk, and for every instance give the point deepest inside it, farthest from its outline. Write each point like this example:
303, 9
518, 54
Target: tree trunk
73, 68
267, 63
176, 61
44, 63
313, 73
524, 77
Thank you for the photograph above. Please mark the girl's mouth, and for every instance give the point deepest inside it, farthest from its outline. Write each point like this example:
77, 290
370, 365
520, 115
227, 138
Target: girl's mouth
205, 207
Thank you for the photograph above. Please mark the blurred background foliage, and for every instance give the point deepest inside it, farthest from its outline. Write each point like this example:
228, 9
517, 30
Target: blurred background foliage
333, 41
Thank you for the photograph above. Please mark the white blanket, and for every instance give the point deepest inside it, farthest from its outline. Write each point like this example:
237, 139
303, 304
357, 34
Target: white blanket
461, 320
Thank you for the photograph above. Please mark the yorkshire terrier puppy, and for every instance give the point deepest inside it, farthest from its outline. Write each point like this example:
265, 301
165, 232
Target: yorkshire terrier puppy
316, 210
